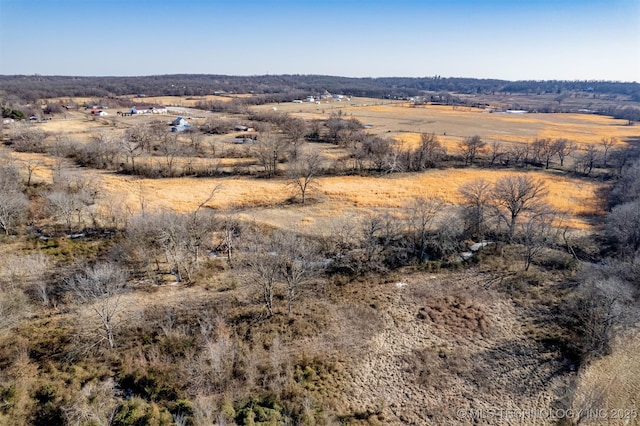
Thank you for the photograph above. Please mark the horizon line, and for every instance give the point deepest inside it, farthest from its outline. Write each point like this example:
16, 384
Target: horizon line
323, 75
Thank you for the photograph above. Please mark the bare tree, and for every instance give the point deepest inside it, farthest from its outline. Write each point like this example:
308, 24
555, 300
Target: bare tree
298, 262
139, 136
497, 151
597, 312
230, 232
421, 214
376, 150
265, 270
101, 288
587, 160
543, 150
102, 151
477, 196
13, 202
170, 148
536, 233
195, 141
513, 195
71, 196
26, 138
520, 153
563, 148
31, 165
471, 147
607, 144
427, 155
269, 149
295, 129
623, 227
304, 170
27, 272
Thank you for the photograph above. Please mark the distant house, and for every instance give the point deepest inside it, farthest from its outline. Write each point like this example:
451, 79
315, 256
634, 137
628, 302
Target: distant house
180, 122
159, 109
150, 109
310, 99
180, 125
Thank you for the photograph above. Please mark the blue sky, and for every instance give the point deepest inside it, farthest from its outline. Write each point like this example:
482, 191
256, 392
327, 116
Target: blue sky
515, 40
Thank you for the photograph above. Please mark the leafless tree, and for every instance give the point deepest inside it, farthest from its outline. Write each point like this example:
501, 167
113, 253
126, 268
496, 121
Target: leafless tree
170, 148
497, 151
421, 214
230, 232
102, 151
64, 206
607, 144
536, 233
298, 260
620, 158
563, 148
101, 288
71, 196
27, 272
598, 310
195, 141
31, 165
13, 202
623, 227
131, 149
295, 129
520, 153
26, 138
513, 195
304, 170
270, 149
139, 136
265, 270
427, 155
477, 196
543, 150
471, 147
586, 161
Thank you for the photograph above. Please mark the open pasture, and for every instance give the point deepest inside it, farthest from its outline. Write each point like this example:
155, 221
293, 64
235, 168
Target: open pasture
179, 101
269, 201
404, 122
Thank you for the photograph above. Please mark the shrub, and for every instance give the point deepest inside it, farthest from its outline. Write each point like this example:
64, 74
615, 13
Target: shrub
137, 412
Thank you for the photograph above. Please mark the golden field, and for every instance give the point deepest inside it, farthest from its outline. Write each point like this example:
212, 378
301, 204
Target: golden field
333, 196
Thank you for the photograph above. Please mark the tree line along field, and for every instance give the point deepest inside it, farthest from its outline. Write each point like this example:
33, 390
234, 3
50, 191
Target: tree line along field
315, 263
399, 123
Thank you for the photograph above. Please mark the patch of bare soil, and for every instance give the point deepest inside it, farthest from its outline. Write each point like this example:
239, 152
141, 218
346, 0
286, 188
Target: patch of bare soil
447, 346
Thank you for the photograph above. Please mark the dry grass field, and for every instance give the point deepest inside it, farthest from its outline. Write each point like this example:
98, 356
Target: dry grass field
333, 196
181, 101
397, 119
400, 343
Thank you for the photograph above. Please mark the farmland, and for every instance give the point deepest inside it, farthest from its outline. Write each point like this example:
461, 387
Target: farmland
312, 262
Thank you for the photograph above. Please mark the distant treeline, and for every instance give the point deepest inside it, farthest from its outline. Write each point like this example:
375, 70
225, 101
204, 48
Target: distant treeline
34, 87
